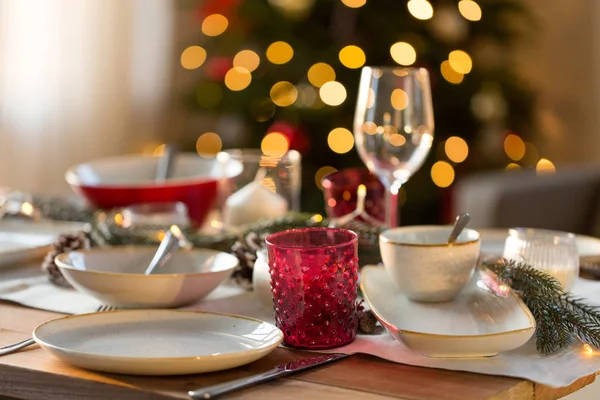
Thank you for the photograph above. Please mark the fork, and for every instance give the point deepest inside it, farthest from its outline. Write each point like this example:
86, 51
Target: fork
28, 342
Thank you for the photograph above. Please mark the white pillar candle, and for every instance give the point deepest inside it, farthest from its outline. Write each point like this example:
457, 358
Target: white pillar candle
252, 203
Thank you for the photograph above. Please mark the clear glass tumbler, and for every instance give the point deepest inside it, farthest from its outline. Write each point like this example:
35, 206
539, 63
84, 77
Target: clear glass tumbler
553, 252
314, 281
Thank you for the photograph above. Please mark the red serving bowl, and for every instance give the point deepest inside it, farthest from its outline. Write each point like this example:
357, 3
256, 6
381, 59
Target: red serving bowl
126, 180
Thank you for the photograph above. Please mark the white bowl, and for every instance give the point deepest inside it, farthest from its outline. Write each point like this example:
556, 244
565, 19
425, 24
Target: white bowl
115, 275
424, 266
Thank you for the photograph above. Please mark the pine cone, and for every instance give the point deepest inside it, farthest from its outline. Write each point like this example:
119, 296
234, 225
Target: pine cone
245, 250
64, 243
366, 321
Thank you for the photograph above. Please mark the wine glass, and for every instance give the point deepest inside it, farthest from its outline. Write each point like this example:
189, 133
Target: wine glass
393, 127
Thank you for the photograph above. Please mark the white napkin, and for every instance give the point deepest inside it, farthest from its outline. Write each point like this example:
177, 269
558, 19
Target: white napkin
557, 370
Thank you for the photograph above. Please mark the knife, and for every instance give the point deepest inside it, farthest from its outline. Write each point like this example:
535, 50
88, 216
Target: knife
211, 392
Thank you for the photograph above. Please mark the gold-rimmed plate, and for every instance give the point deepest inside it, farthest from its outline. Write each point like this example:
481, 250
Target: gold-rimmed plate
483, 320
157, 342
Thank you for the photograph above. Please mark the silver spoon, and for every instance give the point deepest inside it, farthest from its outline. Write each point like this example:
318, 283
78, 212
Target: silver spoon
165, 162
459, 224
173, 240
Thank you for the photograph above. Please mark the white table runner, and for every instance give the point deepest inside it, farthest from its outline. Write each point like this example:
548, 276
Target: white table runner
557, 370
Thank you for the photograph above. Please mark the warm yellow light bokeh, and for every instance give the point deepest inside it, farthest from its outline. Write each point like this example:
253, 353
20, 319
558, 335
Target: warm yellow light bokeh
159, 150
420, 9
333, 93
399, 99
450, 74
514, 147
460, 61
352, 57
442, 174
275, 144
354, 3
370, 128
214, 25
397, 139
322, 173
320, 73
237, 78
470, 10
193, 57
280, 52
208, 144
545, 166
246, 59
513, 167
456, 149
284, 94
403, 53
340, 140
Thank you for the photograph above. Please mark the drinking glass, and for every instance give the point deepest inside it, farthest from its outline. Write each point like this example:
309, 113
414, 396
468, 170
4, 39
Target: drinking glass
393, 127
314, 281
550, 251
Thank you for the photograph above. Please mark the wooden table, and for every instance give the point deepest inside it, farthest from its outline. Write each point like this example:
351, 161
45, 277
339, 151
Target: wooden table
34, 374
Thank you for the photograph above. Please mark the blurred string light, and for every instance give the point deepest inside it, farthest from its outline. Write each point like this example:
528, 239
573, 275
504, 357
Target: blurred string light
322, 173
320, 73
284, 94
237, 78
279, 53
209, 144
513, 167
460, 61
246, 59
469, 10
514, 147
307, 95
354, 3
370, 98
457, 150
442, 174
399, 99
193, 57
214, 25
340, 140
352, 57
450, 74
420, 9
370, 128
333, 93
397, 139
403, 53
275, 144
209, 94
545, 166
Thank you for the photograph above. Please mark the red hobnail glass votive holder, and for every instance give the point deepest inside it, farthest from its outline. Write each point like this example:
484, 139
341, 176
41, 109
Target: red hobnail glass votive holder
340, 191
314, 281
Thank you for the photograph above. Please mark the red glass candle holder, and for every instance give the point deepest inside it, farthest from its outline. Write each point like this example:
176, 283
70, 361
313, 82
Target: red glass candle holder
340, 191
314, 281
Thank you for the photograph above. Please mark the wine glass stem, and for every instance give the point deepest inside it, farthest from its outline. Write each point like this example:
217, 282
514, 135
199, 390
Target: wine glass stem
391, 205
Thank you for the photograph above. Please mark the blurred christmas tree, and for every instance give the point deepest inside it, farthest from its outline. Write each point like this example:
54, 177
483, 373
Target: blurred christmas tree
268, 64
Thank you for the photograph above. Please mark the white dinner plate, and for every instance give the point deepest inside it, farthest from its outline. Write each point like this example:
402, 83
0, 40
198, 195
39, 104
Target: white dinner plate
483, 320
157, 342
492, 243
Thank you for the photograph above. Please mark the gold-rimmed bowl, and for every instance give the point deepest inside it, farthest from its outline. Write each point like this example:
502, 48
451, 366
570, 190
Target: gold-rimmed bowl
421, 262
115, 275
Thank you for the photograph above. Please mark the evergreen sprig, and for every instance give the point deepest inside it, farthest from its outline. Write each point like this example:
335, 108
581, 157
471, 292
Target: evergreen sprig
560, 317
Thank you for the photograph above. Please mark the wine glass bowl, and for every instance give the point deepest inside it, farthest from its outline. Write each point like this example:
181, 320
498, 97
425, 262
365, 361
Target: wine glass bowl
393, 126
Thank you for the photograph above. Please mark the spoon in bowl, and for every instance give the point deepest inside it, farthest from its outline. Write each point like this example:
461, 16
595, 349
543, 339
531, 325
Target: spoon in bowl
459, 224
173, 240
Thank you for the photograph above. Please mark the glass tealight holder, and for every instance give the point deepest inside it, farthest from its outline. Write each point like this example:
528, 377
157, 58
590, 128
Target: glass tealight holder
314, 282
553, 252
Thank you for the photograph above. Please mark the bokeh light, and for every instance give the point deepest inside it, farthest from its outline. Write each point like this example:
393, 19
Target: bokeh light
354, 3
280, 53
513, 167
442, 174
420, 9
352, 57
399, 99
460, 61
275, 144
332, 93
284, 94
322, 173
307, 95
397, 139
193, 57
246, 59
320, 73
450, 74
470, 10
340, 140
545, 166
370, 128
514, 147
403, 53
214, 25
456, 149
159, 150
209, 144
237, 78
